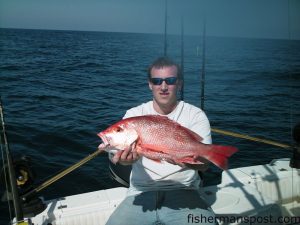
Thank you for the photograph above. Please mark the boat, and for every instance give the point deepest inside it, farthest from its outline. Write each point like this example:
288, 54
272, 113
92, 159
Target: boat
267, 193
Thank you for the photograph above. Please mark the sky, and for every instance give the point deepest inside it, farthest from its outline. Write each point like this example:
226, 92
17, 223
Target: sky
234, 18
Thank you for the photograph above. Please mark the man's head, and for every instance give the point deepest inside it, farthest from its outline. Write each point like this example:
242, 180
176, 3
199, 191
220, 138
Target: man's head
164, 78
165, 62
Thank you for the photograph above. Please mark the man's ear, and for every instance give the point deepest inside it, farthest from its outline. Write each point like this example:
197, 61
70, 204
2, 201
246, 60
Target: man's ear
150, 85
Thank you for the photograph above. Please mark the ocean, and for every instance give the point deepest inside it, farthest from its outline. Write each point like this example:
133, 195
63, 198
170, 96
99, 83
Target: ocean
60, 88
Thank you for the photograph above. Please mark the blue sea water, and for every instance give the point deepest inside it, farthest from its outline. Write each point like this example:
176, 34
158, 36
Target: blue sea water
60, 88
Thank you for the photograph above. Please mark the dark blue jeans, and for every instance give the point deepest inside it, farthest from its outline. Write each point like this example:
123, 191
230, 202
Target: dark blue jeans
176, 207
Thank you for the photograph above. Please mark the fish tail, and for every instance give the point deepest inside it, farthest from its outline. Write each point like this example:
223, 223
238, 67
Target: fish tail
218, 155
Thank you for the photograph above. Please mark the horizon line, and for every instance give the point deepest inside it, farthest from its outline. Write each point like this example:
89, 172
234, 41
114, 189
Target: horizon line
170, 34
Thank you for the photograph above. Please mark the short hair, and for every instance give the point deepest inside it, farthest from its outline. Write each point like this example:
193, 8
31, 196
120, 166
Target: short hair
162, 62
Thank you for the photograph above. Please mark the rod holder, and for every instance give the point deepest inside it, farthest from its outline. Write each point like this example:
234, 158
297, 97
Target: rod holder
295, 160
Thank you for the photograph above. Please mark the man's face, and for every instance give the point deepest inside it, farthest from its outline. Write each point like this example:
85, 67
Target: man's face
164, 94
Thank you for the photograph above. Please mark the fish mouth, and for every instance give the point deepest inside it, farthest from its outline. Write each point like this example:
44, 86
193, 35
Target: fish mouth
104, 139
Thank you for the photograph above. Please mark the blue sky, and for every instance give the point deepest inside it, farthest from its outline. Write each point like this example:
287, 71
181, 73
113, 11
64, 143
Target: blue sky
237, 18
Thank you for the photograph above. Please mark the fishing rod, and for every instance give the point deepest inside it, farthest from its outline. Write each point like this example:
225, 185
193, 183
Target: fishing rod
61, 174
19, 215
247, 137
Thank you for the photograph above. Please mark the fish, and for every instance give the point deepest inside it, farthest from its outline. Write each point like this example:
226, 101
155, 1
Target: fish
162, 139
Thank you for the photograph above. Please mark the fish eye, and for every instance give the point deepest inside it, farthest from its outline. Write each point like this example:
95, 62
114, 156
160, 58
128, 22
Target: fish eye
119, 129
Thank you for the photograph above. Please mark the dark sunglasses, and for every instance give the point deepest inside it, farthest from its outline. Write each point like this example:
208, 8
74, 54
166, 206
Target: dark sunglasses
168, 80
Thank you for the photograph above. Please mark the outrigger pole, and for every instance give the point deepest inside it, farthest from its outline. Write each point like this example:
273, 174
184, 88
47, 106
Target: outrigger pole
182, 59
166, 19
224, 132
203, 64
11, 174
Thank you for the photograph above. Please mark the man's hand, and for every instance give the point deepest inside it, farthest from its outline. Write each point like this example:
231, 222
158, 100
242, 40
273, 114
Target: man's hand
127, 156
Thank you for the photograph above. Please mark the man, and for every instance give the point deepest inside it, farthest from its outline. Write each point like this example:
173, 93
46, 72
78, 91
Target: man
164, 193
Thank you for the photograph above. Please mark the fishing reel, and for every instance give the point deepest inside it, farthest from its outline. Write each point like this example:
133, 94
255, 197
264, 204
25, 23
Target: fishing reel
25, 175
295, 160
25, 178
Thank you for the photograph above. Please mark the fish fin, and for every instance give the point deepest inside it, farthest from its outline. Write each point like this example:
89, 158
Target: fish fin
156, 160
218, 155
154, 148
189, 160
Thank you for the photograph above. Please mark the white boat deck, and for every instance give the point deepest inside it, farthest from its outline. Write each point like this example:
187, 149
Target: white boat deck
256, 192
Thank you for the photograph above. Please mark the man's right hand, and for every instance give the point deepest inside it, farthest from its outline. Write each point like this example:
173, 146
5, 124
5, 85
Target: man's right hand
127, 156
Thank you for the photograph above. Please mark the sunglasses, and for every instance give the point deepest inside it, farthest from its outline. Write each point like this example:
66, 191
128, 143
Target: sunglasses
168, 80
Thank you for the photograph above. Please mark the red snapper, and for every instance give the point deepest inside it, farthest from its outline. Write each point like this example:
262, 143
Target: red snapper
159, 138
